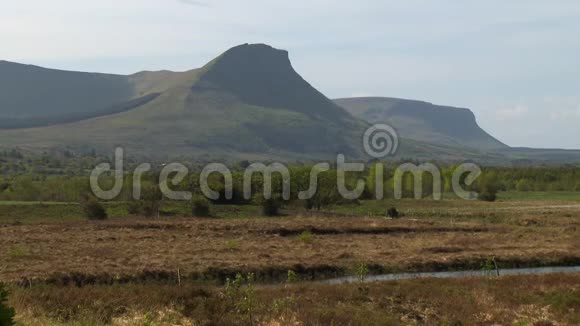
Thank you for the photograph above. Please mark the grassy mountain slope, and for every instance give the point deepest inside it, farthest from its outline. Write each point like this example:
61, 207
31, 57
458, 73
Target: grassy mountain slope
423, 121
29, 91
230, 107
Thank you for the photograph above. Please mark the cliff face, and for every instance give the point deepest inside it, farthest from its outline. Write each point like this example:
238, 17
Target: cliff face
423, 121
263, 76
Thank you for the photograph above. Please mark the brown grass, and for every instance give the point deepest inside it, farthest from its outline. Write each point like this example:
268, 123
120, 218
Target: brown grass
522, 300
142, 248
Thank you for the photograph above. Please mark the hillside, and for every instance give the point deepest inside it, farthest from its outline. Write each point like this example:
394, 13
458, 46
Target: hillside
248, 101
423, 121
30, 93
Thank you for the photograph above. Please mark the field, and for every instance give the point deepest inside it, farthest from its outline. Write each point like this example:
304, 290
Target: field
63, 269
523, 300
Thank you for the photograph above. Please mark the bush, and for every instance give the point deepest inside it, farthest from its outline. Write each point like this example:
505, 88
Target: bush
393, 213
523, 185
488, 188
94, 210
4, 186
241, 295
488, 196
134, 207
269, 207
361, 271
6, 313
306, 237
151, 203
308, 204
201, 207
292, 277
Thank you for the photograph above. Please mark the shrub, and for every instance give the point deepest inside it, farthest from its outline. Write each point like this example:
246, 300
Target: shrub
134, 207
201, 207
490, 267
361, 272
488, 196
308, 204
523, 185
94, 210
151, 204
306, 237
6, 313
393, 213
4, 186
241, 295
488, 188
232, 245
292, 277
269, 207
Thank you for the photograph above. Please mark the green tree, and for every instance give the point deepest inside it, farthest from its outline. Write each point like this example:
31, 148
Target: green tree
523, 185
488, 187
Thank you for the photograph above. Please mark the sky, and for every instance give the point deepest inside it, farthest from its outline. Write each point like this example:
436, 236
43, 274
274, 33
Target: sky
514, 63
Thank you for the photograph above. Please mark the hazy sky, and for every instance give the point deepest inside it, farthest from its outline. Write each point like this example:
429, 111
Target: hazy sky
514, 63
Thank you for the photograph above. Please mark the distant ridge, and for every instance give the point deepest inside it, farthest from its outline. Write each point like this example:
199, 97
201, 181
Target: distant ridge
423, 121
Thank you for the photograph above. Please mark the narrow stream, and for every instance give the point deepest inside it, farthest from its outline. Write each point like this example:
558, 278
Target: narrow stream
459, 274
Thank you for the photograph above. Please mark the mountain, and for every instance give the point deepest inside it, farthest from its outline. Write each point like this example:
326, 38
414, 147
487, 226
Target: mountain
247, 102
423, 121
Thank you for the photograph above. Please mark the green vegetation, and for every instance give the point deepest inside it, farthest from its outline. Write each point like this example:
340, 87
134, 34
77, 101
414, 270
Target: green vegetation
17, 251
361, 271
306, 237
564, 196
27, 197
232, 245
532, 300
94, 210
6, 313
201, 207
488, 187
292, 277
393, 213
564, 301
269, 207
241, 295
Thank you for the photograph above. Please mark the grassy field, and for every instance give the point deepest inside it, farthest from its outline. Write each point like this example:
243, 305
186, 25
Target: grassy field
524, 300
450, 208
540, 196
64, 269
